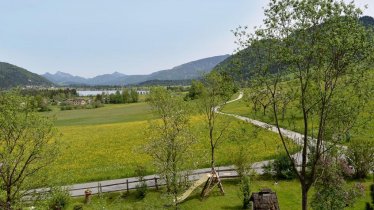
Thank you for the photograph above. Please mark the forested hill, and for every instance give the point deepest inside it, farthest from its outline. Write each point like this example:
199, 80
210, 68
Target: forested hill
13, 76
241, 63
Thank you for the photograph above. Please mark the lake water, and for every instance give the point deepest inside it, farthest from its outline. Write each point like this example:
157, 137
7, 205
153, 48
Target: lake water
94, 92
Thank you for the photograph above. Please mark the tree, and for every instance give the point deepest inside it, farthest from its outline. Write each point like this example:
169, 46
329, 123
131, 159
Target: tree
27, 145
195, 90
170, 138
217, 90
323, 50
134, 96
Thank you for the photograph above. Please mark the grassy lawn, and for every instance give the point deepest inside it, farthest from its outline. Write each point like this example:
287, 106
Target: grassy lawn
288, 193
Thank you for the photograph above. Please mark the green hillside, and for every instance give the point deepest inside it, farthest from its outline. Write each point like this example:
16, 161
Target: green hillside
240, 64
13, 76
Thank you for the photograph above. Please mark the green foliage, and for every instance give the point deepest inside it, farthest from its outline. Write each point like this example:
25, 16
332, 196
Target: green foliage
245, 188
368, 205
331, 190
280, 168
170, 138
195, 91
58, 198
141, 190
27, 145
78, 207
321, 47
360, 154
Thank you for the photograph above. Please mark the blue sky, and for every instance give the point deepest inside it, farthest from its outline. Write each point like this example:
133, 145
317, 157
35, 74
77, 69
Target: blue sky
91, 37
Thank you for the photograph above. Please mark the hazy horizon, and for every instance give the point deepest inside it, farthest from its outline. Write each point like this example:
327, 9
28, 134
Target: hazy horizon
88, 38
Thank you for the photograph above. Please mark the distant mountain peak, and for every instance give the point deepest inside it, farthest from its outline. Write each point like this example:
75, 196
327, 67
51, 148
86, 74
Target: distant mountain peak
187, 71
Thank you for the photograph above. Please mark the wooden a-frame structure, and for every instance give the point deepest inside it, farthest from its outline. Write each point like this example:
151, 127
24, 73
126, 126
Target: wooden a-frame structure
212, 181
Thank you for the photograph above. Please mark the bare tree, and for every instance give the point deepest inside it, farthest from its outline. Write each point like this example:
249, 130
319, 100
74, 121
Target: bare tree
27, 145
217, 90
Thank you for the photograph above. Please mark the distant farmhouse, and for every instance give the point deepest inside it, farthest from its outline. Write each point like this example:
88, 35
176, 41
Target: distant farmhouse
143, 92
78, 101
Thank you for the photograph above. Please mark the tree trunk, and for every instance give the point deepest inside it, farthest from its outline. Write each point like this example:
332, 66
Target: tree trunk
304, 194
8, 199
211, 146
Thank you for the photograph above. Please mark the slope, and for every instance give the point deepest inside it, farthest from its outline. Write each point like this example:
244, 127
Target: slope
13, 76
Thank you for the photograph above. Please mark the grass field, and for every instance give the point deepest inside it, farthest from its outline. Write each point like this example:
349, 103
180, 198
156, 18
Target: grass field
293, 118
106, 143
110, 113
288, 193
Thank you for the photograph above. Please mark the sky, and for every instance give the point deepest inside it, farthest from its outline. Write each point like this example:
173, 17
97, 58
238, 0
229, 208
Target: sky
92, 37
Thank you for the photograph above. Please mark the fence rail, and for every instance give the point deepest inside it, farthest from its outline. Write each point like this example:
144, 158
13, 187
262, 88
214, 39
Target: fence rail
153, 181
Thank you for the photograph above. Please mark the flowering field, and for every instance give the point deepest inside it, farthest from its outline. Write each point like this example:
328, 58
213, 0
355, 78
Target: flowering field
113, 150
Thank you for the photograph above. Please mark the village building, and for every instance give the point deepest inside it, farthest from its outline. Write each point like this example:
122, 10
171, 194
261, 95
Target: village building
143, 92
77, 101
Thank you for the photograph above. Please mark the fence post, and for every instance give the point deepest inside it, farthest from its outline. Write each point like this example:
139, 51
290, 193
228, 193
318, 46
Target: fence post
156, 183
127, 186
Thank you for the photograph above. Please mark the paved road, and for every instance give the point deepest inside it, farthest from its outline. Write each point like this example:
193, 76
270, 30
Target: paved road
225, 171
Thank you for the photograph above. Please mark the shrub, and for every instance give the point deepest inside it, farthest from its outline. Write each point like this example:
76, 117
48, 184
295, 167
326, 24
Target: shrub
141, 190
78, 207
59, 198
280, 168
360, 154
245, 188
332, 192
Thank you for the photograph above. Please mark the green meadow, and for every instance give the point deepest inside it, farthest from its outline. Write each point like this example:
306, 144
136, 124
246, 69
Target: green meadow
108, 142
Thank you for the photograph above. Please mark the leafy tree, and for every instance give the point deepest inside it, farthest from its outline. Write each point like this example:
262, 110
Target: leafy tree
134, 96
99, 97
126, 95
170, 138
195, 90
27, 145
321, 47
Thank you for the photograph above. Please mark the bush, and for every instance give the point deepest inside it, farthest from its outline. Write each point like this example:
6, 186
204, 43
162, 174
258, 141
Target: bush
331, 190
360, 155
245, 188
141, 190
281, 168
59, 198
78, 207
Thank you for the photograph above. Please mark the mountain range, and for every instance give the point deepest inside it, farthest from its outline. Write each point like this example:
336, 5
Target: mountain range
187, 71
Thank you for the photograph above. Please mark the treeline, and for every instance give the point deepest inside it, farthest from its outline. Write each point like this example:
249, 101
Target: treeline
51, 93
126, 96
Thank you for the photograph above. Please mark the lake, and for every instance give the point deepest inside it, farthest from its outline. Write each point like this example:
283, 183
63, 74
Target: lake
94, 92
